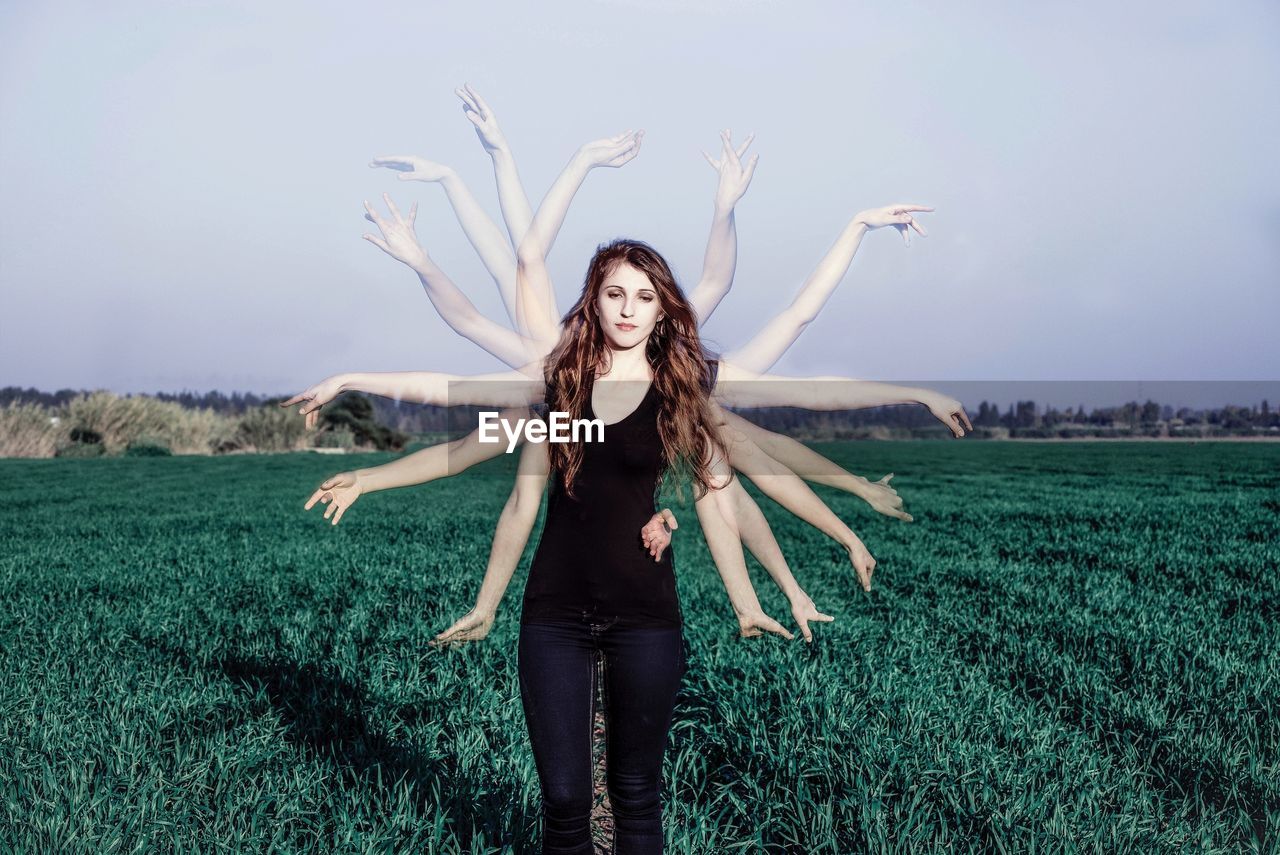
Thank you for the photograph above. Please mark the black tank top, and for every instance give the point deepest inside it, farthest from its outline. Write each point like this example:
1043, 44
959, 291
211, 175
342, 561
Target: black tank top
590, 561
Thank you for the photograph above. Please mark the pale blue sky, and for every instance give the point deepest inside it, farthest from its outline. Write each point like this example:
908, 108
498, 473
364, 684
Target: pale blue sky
182, 182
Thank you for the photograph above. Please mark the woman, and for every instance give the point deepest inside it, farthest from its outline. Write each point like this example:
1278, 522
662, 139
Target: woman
630, 356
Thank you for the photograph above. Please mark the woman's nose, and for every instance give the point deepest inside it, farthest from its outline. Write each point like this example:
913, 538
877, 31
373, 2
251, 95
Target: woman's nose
628, 309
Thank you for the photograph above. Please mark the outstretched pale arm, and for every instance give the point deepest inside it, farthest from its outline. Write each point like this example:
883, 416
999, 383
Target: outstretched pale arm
536, 299
399, 240
503, 389
484, 235
720, 529
439, 461
742, 388
787, 489
509, 540
516, 212
765, 348
801, 460
722, 244
758, 537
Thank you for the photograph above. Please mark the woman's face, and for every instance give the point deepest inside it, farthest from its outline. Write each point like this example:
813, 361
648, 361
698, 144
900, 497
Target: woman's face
628, 307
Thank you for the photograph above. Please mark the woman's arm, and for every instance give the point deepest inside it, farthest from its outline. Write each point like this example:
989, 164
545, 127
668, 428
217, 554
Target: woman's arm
399, 241
812, 466
787, 489
719, 527
503, 389
514, 526
742, 388
439, 461
762, 351
758, 537
535, 296
516, 212
722, 244
484, 235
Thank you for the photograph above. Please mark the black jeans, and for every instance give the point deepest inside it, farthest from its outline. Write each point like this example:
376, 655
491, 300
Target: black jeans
642, 669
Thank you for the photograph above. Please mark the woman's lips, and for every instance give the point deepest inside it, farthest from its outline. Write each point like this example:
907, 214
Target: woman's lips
625, 327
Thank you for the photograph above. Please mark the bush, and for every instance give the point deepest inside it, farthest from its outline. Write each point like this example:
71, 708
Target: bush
30, 430
120, 422
270, 428
355, 413
336, 437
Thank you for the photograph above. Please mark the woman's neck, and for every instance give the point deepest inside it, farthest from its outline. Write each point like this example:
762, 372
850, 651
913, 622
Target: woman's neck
629, 364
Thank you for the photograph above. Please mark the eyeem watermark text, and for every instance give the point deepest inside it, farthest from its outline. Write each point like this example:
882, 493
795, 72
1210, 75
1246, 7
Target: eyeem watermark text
558, 427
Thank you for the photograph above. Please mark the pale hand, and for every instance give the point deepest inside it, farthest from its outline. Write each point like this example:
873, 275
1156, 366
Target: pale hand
398, 237
803, 610
480, 115
472, 626
656, 534
898, 216
612, 151
863, 564
339, 493
949, 411
756, 623
734, 177
882, 498
316, 397
412, 167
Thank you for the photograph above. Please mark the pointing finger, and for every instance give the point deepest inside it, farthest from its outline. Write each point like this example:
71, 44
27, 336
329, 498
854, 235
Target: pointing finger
311, 503
742, 149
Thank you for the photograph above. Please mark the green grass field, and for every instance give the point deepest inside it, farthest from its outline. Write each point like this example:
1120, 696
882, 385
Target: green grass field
1073, 648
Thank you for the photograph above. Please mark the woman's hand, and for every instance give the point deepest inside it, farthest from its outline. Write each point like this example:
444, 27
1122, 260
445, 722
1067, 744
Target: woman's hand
757, 623
734, 178
612, 151
480, 115
339, 493
316, 397
413, 168
472, 626
803, 610
883, 499
863, 564
398, 238
898, 216
656, 534
949, 411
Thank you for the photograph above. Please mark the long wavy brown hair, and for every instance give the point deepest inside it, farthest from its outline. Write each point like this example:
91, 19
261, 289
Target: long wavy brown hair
683, 374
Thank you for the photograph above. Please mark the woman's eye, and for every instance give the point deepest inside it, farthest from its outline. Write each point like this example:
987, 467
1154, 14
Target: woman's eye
647, 299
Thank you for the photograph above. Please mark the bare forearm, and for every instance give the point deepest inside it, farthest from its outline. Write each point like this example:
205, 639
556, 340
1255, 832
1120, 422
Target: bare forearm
516, 212
509, 541
787, 489
758, 537
511, 389
465, 319
797, 457
768, 345
726, 551
748, 389
718, 264
485, 236
439, 461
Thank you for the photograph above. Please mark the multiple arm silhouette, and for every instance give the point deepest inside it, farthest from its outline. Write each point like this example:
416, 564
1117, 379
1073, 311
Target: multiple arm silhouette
730, 517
